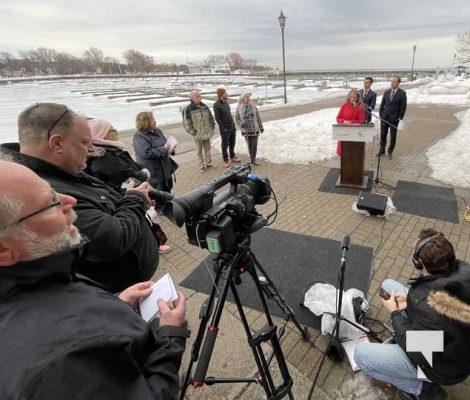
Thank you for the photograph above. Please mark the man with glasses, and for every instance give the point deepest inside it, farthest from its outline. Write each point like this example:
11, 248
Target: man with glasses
63, 336
55, 142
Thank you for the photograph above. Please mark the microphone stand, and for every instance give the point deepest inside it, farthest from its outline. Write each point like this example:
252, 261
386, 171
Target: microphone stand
377, 180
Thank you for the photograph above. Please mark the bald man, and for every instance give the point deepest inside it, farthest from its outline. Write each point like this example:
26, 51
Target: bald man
55, 142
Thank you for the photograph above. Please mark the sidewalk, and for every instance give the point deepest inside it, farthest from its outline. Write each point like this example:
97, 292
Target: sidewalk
326, 215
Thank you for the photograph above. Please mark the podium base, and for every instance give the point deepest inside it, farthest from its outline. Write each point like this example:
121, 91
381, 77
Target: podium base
364, 185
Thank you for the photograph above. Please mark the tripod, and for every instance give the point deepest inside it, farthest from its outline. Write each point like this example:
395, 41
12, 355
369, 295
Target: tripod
378, 180
228, 267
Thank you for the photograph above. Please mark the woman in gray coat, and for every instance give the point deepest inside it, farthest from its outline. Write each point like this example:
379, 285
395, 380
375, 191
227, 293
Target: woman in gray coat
153, 152
249, 121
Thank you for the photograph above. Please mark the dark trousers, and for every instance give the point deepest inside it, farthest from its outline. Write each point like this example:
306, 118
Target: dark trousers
228, 141
252, 143
384, 127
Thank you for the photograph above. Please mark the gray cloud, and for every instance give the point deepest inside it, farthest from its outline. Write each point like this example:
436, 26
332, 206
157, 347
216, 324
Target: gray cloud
319, 34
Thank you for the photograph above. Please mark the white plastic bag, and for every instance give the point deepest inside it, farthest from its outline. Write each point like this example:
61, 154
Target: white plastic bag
321, 300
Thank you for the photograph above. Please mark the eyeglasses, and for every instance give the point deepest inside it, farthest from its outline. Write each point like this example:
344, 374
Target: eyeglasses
57, 121
55, 203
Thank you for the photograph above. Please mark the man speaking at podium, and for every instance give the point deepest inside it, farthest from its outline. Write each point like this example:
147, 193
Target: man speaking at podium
351, 112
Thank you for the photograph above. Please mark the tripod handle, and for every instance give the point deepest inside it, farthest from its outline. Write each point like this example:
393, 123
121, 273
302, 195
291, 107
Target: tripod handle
205, 357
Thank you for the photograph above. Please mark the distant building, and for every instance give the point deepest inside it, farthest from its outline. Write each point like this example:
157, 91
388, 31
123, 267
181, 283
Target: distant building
194, 68
220, 69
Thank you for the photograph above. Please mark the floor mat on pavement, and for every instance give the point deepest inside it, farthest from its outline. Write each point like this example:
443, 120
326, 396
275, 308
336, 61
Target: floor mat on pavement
328, 184
293, 262
426, 201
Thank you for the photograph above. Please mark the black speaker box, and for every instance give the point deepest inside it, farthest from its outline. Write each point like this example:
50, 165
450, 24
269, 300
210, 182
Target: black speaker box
372, 202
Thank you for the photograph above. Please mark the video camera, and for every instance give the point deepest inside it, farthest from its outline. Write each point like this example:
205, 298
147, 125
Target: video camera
159, 196
217, 221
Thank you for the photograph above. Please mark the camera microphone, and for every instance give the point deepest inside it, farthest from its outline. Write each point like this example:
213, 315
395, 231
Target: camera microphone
345, 243
344, 248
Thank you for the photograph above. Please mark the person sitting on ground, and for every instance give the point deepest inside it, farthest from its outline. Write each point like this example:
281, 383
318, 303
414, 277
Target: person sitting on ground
62, 335
114, 166
55, 142
351, 112
437, 301
227, 128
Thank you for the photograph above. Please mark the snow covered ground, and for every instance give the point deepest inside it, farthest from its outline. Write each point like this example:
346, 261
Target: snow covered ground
301, 139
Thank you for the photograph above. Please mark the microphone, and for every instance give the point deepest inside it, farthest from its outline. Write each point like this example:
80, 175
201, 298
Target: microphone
345, 243
344, 248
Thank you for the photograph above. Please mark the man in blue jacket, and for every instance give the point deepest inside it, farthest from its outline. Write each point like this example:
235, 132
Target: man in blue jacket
63, 336
392, 111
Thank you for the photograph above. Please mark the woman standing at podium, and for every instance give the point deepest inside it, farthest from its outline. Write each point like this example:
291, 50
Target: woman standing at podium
351, 112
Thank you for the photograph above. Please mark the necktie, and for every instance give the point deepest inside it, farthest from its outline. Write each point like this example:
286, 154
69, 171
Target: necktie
365, 93
392, 94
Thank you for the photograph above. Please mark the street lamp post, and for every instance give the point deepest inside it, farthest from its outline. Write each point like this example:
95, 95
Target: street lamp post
282, 22
413, 63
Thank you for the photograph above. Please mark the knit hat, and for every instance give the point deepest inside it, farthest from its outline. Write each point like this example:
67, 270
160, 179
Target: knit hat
99, 129
221, 92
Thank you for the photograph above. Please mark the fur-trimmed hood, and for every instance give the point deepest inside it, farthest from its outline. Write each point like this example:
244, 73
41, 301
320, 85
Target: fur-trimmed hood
452, 298
450, 306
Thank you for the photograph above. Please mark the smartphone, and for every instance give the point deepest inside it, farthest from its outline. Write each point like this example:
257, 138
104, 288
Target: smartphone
384, 294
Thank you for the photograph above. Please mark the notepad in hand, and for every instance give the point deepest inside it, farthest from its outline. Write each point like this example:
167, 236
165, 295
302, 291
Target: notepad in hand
164, 289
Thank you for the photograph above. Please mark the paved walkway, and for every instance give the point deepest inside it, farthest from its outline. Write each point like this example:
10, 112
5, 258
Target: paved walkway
310, 212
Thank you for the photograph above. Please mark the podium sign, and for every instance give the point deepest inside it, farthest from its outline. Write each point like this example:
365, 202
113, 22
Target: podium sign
353, 132
353, 138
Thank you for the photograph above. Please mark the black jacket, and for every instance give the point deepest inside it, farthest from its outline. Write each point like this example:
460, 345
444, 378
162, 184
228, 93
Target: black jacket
150, 152
223, 116
431, 307
393, 111
123, 249
64, 337
113, 166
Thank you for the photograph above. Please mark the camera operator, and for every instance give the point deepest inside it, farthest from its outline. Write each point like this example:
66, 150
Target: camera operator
438, 300
55, 143
63, 336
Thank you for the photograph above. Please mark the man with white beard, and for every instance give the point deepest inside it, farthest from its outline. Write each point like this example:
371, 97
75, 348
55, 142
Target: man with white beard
63, 336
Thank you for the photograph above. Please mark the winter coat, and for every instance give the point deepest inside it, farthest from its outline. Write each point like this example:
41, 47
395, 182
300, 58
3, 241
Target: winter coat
347, 112
198, 121
150, 153
393, 110
113, 166
122, 249
248, 119
65, 337
432, 305
223, 116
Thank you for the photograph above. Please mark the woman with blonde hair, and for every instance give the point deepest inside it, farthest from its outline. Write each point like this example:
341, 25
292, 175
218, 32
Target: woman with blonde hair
351, 112
249, 121
152, 151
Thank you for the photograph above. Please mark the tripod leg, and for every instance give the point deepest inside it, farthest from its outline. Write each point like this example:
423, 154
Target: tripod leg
268, 284
268, 333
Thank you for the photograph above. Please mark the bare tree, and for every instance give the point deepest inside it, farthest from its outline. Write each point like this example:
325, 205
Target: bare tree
236, 61
138, 61
94, 58
462, 47
215, 59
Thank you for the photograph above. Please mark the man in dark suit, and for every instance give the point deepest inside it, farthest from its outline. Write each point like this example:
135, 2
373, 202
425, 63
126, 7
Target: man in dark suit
369, 98
392, 110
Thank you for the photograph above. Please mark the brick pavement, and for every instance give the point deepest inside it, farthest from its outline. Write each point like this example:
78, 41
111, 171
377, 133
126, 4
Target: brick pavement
327, 215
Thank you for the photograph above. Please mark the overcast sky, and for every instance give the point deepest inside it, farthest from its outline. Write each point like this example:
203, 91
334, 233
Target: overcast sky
319, 34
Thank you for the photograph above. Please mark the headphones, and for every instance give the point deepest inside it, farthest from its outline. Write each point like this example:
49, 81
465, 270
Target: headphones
417, 262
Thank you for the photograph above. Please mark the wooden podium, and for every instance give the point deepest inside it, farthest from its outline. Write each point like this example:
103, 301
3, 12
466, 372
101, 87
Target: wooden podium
353, 139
